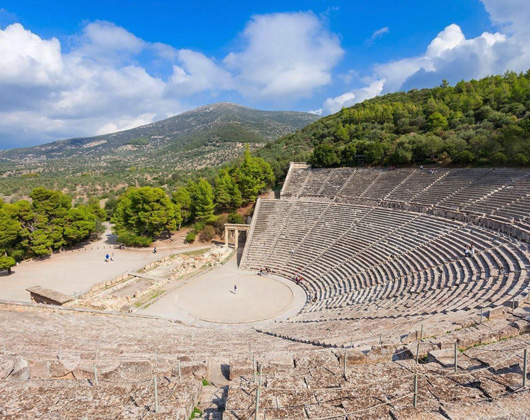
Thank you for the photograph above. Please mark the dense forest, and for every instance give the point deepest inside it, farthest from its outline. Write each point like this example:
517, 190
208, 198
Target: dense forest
46, 223
480, 122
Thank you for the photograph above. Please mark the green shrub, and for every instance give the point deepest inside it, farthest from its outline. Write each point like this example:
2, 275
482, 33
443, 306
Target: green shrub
465, 157
499, 158
130, 239
190, 237
235, 218
199, 225
207, 234
219, 224
521, 159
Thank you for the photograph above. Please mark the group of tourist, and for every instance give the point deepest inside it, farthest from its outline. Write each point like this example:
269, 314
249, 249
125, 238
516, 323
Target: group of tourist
431, 171
109, 257
298, 279
469, 251
264, 271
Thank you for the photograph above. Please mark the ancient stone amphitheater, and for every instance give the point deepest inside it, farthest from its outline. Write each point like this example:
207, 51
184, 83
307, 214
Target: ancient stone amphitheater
400, 321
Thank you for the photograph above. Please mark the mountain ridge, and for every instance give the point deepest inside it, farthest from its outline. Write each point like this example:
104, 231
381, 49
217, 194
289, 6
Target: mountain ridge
221, 122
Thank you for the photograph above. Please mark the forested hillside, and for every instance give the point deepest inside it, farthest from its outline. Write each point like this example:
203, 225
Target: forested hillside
151, 155
480, 122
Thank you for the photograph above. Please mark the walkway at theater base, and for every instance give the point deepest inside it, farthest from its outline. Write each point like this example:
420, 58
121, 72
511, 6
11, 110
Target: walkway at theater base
75, 271
209, 299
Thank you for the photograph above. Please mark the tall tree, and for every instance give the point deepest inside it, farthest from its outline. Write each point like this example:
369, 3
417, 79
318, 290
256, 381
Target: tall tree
252, 177
204, 202
181, 197
9, 231
227, 194
145, 212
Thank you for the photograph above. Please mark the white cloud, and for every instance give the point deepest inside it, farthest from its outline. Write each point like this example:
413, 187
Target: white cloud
379, 33
27, 59
102, 38
48, 94
198, 73
452, 56
449, 56
98, 84
286, 54
332, 105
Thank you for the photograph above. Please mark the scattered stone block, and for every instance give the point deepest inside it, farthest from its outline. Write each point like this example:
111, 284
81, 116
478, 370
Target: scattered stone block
497, 312
14, 367
445, 357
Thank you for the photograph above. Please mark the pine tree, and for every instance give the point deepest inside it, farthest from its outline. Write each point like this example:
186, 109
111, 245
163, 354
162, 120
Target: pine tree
145, 212
204, 205
227, 194
181, 198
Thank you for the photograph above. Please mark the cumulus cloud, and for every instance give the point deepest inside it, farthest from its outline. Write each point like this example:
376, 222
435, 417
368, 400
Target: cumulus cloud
98, 85
27, 59
452, 56
285, 54
332, 105
48, 93
198, 73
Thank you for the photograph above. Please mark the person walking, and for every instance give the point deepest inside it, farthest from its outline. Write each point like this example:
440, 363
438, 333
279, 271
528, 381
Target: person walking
107, 258
154, 250
235, 289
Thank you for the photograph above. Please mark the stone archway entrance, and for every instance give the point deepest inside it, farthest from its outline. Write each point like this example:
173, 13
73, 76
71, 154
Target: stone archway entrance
234, 229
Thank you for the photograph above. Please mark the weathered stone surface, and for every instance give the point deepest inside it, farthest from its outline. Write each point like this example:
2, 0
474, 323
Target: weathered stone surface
497, 312
445, 357
14, 367
132, 370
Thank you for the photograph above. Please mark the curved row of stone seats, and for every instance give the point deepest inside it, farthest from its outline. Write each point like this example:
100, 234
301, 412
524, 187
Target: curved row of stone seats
337, 384
272, 218
386, 182
335, 181
389, 320
414, 184
456, 180
430, 291
74, 399
518, 209
349, 255
515, 189
447, 260
48, 333
298, 224
358, 182
483, 186
296, 179
316, 181
485, 191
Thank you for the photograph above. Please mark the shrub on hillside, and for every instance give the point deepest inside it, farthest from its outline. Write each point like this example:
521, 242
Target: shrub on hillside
219, 224
235, 218
190, 237
499, 158
465, 157
207, 234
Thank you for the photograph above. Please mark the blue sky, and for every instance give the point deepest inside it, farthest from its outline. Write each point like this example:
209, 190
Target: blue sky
92, 67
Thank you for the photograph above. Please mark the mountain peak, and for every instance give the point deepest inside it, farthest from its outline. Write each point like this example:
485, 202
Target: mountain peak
207, 130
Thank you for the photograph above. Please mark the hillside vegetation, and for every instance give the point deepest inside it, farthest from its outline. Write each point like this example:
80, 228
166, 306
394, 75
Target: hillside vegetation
45, 224
151, 155
480, 122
